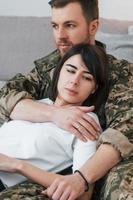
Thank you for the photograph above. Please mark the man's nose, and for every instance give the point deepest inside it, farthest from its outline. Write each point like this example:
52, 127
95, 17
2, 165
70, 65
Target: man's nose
62, 33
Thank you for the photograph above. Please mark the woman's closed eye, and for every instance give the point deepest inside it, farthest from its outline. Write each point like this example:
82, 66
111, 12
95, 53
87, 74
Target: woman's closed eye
71, 71
88, 77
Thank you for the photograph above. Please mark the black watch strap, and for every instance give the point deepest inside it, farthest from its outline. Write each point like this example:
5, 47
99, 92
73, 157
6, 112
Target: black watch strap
86, 182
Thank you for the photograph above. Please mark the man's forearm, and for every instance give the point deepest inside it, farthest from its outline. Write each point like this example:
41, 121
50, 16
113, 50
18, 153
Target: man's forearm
33, 111
104, 159
65, 117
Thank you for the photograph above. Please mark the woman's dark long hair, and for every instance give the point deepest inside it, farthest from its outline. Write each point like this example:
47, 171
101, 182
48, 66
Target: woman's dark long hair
95, 59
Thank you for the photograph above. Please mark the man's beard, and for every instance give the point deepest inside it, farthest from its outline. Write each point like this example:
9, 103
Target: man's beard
63, 46
68, 44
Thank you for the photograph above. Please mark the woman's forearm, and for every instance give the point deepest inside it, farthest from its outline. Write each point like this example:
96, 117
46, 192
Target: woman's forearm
13, 165
36, 174
104, 159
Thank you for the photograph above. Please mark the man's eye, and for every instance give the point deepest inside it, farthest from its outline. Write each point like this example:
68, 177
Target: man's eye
54, 26
71, 25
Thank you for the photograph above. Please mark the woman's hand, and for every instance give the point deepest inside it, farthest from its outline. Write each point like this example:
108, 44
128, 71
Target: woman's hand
8, 164
67, 187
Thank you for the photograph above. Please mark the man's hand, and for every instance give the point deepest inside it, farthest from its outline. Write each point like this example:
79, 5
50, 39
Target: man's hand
76, 120
73, 119
65, 188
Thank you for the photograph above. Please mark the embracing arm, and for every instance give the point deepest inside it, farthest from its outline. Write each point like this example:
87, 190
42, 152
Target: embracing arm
104, 159
93, 169
18, 88
37, 111
17, 101
33, 86
119, 109
20, 105
116, 141
96, 167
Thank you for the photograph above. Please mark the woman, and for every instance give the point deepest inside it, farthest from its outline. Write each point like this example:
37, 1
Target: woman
79, 79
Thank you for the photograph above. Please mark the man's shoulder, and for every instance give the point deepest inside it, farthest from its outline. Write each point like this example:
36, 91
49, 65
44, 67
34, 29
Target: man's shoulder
51, 58
120, 71
119, 66
116, 64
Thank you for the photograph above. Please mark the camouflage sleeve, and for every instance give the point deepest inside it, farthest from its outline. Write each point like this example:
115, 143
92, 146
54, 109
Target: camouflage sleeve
119, 109
33, 86
19, 87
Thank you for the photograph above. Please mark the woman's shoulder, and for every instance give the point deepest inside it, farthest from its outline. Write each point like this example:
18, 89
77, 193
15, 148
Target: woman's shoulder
46, 100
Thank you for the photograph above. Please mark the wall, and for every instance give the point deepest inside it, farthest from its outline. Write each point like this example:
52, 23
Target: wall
118, 9
24, 8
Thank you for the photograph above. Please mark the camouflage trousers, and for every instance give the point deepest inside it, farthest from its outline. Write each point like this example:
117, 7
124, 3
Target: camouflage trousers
116, 185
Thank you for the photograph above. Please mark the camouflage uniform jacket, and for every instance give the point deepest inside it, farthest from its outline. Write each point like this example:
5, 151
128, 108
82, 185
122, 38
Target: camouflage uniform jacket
118, 108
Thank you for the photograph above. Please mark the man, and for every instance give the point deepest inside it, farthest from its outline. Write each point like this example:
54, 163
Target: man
74, 22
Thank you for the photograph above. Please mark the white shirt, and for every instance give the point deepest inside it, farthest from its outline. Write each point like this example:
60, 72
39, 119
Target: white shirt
44, 145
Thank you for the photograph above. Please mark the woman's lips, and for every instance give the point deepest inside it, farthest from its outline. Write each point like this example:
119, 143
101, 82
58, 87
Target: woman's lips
71, 91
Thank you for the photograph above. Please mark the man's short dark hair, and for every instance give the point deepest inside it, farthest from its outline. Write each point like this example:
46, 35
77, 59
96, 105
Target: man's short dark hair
89, 7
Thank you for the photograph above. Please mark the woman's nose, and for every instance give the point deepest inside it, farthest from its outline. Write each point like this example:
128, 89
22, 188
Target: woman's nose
75, 80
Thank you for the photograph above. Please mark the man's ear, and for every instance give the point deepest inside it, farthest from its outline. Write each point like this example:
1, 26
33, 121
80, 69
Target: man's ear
93, 27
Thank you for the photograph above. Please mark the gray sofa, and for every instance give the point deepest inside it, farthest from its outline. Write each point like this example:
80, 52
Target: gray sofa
24, 39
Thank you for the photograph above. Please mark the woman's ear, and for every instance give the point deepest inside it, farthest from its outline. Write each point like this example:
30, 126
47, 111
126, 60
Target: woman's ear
93, 91
93, 27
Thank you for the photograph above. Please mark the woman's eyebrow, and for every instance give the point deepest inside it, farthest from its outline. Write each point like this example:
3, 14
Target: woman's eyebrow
73, 66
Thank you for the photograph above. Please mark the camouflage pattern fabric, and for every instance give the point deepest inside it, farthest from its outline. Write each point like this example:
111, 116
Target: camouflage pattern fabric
26, 191
33, 86
118, 109
119, 121
116, 185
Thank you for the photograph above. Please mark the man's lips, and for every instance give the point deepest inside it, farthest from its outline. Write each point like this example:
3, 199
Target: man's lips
64, 45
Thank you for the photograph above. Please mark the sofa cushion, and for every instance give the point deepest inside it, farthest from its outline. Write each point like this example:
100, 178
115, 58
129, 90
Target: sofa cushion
121, 46
22, 40
114, 26
130, 30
